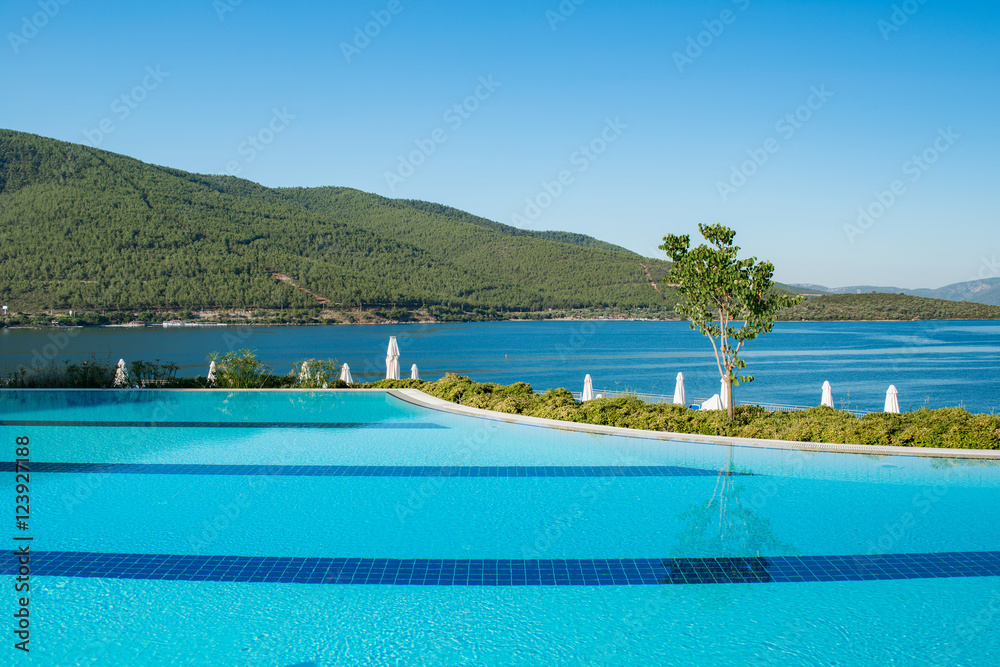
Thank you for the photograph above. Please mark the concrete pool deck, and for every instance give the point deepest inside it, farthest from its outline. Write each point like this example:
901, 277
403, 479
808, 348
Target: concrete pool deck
417, 397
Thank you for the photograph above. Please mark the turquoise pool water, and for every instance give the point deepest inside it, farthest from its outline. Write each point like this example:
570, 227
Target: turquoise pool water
280, 528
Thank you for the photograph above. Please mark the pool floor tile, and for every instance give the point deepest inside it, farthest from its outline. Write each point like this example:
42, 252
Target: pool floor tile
491, 572
44, 467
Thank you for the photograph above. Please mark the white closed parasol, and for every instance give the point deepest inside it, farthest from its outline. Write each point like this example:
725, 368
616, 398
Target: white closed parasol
392, 360
121, 375
679, 390
891, 401
827, 399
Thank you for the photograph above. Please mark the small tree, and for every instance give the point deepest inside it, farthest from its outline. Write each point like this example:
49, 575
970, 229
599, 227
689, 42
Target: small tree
240, 370
314, 374
719, 290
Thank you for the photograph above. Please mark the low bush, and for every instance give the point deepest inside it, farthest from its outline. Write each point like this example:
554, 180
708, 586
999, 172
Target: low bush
946, 427
314, 374
153, 373
243, 370
90, 374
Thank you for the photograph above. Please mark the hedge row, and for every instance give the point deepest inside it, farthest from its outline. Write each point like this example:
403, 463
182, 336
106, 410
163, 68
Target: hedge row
946, 427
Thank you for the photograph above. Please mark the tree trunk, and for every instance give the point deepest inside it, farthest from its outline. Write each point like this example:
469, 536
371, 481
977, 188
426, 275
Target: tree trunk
730, 408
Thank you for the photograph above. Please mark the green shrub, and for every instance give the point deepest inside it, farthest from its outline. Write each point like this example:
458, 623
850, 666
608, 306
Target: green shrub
394, 384
153, 373
320, 373
242, 370
949, 427
90, 374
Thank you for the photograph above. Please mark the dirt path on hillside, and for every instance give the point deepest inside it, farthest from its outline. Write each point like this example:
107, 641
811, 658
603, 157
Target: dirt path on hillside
285, 279
650, 278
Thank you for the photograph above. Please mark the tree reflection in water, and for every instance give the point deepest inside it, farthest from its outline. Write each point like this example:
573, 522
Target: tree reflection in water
725, 540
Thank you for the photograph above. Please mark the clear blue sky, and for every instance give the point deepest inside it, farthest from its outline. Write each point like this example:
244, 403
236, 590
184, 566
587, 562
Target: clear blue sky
892, 84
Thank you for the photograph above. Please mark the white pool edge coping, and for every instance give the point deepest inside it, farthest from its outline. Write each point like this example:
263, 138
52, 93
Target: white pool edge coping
417, 397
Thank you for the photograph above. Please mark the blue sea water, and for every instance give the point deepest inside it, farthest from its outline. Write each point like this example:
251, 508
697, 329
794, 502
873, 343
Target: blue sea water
937, 364
782, 504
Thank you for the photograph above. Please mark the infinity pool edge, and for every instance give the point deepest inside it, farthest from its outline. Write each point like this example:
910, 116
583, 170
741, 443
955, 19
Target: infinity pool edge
417, 397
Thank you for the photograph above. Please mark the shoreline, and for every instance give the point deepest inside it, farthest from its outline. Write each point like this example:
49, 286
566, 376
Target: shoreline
469, 321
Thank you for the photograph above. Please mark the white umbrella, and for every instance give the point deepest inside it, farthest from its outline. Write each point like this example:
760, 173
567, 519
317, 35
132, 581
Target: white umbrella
211, 372
679, 390
714, 403
304, 374
891, 402
345, 374
827, 399
392, 360
414, 373
588, 389
121, 375
724, 394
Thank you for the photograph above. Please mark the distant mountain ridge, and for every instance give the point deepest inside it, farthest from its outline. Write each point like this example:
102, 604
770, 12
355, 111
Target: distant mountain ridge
986, 290
881, 306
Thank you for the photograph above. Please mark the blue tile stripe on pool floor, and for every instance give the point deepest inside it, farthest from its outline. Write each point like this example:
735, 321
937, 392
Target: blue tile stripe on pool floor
366, 471
485, 572
259, 425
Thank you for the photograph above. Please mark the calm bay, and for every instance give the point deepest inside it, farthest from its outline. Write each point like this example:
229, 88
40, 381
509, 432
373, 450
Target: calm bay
931, 363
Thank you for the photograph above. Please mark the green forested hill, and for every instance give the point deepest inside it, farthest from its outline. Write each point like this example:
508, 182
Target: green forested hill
87, 229
564, 237
886, 306
564, 274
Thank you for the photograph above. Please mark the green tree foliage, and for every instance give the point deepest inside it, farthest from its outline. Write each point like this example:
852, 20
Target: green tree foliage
719, 290
153, 373
90, 374
317, 374
241, 370
94, 231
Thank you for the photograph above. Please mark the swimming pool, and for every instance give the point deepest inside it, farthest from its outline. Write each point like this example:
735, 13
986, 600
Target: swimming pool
289, 527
